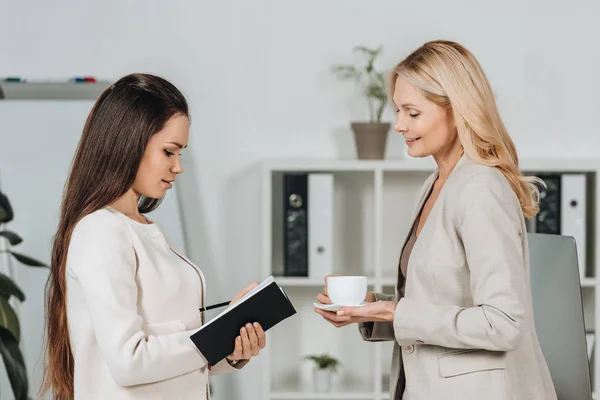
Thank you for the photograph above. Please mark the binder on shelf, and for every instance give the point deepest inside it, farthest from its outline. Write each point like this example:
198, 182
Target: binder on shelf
548, 219
295, 232
320, 225
573, 214
563, 211
266, 304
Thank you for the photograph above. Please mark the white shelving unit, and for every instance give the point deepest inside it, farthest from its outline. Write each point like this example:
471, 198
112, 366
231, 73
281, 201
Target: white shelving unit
373, 203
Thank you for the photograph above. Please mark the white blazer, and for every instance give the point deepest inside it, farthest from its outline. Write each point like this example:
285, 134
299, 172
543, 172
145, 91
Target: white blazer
132, 304
464, 328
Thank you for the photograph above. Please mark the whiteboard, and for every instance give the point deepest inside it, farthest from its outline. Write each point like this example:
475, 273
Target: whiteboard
38, 139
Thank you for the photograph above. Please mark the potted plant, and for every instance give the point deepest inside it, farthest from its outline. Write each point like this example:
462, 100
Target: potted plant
10, 331
370, 136
325, 365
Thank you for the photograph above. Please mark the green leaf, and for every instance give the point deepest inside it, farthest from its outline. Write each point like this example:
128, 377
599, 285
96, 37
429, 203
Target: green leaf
12, 237
376, 92
32, 262
3, 214
380, 111
324, 361
6, 212
346, 71
14, 364
381, 79
9, 288
369, 52
9, 320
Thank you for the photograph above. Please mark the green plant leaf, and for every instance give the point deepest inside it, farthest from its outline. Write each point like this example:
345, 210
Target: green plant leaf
14, 364
9, 288
372, 82
346, 71
9, 320
369, 52
3, 214
376, 91
6, 212
32, 262
324, 361
12, 237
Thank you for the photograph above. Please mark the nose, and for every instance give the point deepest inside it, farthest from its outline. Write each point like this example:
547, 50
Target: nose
400, 125
177, 168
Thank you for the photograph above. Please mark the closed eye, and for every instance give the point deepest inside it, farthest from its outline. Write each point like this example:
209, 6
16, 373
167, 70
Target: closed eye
414, 115
168, 153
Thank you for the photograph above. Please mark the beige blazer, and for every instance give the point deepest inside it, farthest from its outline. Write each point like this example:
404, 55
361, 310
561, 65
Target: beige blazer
463, 328
132, 305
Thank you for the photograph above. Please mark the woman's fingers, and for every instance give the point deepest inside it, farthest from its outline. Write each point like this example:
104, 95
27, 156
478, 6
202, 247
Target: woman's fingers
333, 318
254, 349
246, 345
237, 350
323, 299
243, 292
251, 341
262, 336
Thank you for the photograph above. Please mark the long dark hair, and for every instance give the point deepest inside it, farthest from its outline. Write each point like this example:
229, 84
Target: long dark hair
105, 165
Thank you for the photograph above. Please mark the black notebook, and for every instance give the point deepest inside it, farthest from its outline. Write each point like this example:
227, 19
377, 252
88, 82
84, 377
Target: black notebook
266, 304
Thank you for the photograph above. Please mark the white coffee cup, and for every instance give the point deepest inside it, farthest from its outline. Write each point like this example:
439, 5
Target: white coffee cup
347, 290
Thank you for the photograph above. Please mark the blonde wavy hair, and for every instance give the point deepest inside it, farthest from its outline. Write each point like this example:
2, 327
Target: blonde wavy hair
447, 74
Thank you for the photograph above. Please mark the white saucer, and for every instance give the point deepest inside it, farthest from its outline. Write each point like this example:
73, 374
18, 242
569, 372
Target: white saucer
335, 307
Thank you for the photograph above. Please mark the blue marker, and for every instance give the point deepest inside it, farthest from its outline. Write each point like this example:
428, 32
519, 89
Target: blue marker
85, 79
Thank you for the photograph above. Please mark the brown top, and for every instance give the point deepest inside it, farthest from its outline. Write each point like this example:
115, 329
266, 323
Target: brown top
408, 248
403, 269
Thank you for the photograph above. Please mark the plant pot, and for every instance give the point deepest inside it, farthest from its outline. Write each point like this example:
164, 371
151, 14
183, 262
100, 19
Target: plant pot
322, 380
370, 139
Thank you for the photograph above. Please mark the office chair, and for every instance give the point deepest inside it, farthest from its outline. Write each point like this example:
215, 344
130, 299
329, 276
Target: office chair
558, 313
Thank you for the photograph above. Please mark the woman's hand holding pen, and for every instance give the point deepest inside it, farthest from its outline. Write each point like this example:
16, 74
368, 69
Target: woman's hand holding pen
377, 311
252, 338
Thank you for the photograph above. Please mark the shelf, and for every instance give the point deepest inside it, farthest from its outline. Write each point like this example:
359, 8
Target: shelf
51, 90
420, 165
560, 165
325, 396
328, 164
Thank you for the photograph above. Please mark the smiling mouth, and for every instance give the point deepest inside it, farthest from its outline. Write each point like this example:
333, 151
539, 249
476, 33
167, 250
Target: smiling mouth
413, 139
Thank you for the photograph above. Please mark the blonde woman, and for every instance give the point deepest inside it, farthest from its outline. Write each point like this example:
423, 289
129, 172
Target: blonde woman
462, 317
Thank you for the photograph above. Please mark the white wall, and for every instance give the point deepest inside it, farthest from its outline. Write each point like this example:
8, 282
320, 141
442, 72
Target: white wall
257, 76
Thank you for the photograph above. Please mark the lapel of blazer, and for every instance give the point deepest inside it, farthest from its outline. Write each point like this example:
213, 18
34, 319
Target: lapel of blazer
422, 196
427, 188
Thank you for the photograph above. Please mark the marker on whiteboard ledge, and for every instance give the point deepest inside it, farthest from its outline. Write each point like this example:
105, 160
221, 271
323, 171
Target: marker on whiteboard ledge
83, 79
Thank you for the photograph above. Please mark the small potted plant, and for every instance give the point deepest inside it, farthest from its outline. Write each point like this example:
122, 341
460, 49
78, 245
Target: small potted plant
325, 365
370, 136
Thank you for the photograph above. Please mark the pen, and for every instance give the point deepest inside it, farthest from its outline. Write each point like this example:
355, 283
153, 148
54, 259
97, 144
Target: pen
214, 306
